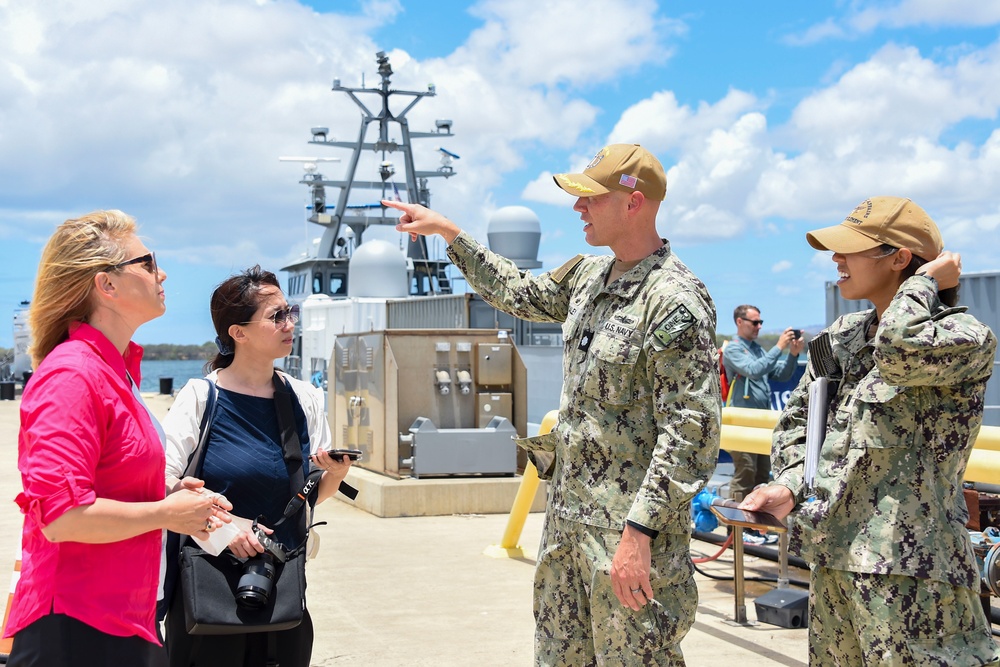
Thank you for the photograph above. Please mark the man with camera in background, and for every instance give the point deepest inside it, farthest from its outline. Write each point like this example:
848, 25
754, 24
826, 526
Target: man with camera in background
749, 369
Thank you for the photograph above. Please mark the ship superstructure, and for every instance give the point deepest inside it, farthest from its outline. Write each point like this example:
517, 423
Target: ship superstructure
355, 203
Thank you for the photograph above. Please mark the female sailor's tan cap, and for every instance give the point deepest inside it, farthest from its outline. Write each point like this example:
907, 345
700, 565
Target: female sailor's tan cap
892, 220
622, 167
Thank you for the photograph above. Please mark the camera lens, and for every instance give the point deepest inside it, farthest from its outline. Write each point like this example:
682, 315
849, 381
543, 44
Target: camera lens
256, 582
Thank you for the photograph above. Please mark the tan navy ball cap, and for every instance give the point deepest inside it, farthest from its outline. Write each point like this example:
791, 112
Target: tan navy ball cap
892, 220
622, 167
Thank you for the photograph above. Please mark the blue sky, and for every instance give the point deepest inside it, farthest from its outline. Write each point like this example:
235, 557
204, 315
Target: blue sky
772, 119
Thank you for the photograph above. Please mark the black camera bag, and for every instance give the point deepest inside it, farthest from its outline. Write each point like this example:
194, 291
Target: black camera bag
208, 586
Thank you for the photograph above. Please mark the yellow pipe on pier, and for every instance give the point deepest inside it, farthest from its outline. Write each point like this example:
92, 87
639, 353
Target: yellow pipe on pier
509, 547
749, 430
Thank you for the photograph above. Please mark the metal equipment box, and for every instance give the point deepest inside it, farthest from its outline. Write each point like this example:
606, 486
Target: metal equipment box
490, 450
493, 365
784, 607
489, 406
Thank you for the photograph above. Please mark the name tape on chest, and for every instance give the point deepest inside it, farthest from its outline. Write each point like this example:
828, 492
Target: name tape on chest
617, 330
677, 322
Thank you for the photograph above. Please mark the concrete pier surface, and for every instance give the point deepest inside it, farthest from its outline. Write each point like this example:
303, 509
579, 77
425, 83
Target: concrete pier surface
419, 591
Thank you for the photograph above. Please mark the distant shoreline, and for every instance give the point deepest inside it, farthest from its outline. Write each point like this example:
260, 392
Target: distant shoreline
171, 352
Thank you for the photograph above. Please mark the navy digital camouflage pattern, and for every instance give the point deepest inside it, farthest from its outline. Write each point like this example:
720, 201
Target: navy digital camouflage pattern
581, 622
886, 620
901, 423
639, 415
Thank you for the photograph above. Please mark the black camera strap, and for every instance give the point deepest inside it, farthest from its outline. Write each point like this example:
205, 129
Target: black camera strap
294, 507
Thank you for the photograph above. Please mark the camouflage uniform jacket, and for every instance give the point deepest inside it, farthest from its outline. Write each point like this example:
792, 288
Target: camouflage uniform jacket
900, 427
638, 429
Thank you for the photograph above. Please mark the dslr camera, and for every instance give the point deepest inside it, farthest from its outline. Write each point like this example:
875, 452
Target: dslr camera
257, 579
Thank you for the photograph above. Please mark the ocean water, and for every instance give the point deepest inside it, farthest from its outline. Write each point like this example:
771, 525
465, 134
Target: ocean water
180, 371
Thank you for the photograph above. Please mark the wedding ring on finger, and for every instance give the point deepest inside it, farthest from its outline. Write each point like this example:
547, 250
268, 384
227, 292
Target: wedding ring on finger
635, 590
208, 526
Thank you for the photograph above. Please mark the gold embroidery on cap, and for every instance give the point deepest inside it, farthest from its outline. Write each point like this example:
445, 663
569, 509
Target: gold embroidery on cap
579, 187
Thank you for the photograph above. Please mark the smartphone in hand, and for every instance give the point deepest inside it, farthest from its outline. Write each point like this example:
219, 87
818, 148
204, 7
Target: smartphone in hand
353, 454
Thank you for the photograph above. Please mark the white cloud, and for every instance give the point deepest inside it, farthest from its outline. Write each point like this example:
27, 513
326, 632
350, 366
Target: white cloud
552, 42
885, 125
899, 93
544, 190
879, 130
700, 223
721, 147
929, 13
822, 261
864, 17
661, 124
779, 267
114, 111
102, 106
828, 29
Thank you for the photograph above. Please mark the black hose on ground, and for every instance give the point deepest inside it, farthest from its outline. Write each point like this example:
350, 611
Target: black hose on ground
763, 580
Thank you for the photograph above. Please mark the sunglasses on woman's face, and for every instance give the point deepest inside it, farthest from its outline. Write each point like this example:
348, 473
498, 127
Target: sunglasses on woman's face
280, 317
148, 262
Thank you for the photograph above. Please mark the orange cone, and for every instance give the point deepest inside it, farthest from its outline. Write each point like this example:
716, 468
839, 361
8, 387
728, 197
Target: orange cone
7, 643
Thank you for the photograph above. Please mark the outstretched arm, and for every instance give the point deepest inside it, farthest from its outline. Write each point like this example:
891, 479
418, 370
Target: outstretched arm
417, 219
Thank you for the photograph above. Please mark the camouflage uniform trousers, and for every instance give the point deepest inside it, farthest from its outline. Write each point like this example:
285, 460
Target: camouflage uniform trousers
578, 619
890, 620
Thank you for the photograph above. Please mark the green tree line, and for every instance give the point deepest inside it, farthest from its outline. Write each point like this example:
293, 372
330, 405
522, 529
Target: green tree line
171, 352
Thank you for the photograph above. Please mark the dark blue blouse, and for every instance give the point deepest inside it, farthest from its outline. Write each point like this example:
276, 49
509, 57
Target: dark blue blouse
245, 461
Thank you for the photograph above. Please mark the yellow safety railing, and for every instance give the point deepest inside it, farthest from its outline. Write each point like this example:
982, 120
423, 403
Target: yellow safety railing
743, 430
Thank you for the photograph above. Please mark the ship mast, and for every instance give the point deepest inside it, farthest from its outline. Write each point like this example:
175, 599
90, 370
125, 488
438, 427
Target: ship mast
357, 218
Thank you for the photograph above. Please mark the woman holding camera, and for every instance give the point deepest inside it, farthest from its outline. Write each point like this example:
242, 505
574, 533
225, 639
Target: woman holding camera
894, 578
91, 457
244, 458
